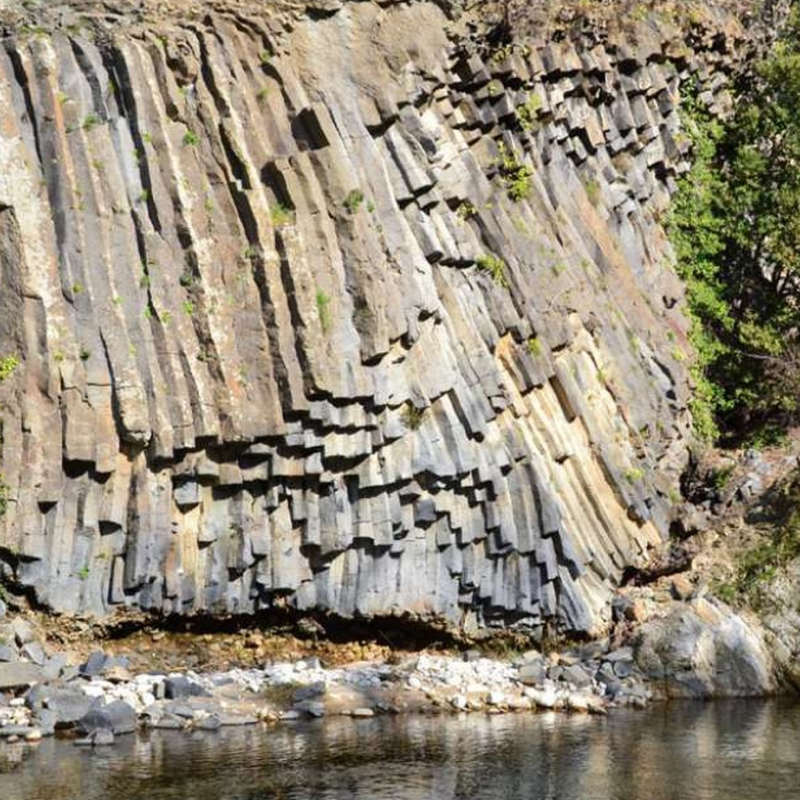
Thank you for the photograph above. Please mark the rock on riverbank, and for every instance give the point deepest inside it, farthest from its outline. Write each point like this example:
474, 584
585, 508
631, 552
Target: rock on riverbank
692, 649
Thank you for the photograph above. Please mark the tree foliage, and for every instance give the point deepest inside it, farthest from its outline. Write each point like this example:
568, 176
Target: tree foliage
735, 225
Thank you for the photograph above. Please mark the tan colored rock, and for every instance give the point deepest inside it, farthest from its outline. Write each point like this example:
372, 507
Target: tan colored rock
681, 587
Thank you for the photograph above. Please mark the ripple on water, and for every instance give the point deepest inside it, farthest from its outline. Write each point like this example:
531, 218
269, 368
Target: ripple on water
719, 751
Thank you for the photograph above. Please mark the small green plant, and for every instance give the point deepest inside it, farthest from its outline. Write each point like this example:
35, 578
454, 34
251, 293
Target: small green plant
528, 113
281, 215
593, 195
187, 278
721, 477
633, 475
147, 313
251, 252
678, 355
3, 497
188, 307
496, 268
144, 196
466, 210
535, 346
90, 121
353, 201
500, 54
516, 176
412, 416
83, 572
85, 354
77, 288
147, 138
7, 366
324, 311
190, 139
262, 95
265, 56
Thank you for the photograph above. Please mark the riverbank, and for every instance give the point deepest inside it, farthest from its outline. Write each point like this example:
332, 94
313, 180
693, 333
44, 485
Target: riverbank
156, 680
101, 699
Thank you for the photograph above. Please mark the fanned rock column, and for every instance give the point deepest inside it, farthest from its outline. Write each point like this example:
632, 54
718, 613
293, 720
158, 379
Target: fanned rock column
329, 311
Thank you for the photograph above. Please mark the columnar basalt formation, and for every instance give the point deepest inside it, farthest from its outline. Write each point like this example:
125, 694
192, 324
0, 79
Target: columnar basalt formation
328, 308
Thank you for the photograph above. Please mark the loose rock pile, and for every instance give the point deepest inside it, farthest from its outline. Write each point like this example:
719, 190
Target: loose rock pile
99, 699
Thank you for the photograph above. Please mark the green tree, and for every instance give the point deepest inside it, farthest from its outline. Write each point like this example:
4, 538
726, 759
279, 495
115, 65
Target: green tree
736, 229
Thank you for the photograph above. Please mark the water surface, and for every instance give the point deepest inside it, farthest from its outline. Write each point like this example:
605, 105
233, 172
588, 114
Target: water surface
689, 751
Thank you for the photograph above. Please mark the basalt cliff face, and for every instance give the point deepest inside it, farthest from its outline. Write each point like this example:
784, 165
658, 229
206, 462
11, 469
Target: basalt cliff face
328, 307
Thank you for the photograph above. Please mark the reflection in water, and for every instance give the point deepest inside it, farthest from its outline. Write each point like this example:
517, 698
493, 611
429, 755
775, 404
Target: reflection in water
717, 751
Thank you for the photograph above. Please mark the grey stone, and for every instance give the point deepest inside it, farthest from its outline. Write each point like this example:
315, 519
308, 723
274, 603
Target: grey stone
311, 707
102, 737
46, 720
24, 632
621, 654
117, 717
8, 653
210, 723
93, 665
622, 669
577, 676
179, 708
309, 691
181, 687
15, 675
706, 650
34, 652
15, 730
533, 674
69, 705
54, 666
471, 655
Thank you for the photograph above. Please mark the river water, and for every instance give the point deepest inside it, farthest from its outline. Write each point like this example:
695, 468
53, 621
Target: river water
738, 750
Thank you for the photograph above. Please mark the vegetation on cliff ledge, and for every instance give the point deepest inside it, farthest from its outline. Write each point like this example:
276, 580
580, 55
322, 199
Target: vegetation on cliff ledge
736, 229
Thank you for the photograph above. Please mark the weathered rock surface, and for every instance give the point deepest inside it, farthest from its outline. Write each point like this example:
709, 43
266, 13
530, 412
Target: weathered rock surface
707, 650
259, 363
